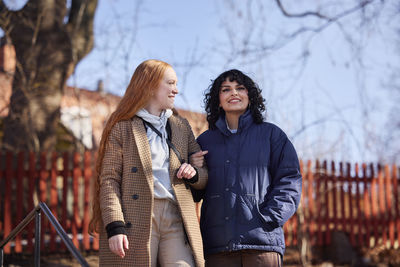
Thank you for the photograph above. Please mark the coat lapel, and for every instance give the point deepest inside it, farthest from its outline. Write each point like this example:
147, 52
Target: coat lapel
143, 148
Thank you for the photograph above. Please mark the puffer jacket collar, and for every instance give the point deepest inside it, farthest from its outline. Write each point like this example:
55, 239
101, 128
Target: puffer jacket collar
245, 120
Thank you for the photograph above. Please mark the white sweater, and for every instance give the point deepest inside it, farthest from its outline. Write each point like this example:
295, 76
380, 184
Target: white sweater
159, 153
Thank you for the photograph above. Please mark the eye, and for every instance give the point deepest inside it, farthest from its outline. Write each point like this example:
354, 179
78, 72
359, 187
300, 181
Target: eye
241, 88
225, 90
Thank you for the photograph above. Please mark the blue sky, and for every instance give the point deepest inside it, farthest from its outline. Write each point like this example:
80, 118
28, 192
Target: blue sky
166, 30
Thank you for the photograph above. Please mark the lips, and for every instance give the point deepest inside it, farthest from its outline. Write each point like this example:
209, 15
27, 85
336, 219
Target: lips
234, 100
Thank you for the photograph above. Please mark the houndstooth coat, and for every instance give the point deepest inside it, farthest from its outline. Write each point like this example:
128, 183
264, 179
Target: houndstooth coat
126, 189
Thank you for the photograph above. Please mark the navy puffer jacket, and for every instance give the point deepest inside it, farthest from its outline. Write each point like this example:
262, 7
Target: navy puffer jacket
254, 187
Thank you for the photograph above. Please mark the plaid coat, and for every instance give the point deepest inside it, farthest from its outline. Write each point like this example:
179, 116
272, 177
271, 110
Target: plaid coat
126, 189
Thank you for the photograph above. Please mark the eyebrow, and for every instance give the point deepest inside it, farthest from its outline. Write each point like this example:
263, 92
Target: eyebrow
239, 85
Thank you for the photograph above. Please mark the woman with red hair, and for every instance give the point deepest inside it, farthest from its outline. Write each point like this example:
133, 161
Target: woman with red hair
143, 206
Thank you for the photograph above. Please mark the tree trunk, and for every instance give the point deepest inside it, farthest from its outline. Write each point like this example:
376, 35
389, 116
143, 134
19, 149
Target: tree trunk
47, 50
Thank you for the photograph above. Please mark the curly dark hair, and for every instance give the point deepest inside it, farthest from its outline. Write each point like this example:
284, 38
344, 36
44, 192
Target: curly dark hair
211, 99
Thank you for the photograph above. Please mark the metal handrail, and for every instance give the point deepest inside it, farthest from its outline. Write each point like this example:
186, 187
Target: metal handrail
36, 212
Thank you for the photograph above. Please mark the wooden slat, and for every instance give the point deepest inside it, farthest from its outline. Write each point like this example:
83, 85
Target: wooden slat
303, 209
349, 205
333, 193
319, 205
53, 199
75, 192
367, 207
374, 204
19, 199
389, 198
312, 208
381, 207
32, 176
396, 189
87, 173
359, 213
342, 204
7, 199
294, 230
43, 176
64, 210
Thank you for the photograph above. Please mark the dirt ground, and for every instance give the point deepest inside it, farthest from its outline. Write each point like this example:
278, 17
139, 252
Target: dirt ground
370, 258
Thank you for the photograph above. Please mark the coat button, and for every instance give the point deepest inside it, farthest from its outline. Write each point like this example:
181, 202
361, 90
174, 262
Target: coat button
128, 224
135, 196
134, 169
226, 218
227, 161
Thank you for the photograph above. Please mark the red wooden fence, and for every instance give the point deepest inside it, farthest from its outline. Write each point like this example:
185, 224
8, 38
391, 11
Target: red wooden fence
360, 200
63, 181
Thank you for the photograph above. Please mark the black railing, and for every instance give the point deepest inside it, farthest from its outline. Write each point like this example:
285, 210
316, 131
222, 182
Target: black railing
36, 213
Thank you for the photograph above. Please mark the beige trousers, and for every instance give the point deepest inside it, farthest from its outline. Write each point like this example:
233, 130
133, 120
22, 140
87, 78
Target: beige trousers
168, 242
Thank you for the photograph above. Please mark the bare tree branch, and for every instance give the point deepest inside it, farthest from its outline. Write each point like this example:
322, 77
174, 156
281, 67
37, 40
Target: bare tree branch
300, 15
80, 27
361, 5
289, 38
6, 16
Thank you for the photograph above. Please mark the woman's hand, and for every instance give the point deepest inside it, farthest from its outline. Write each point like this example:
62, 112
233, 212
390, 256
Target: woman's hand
197, 159
117, 244
186, 171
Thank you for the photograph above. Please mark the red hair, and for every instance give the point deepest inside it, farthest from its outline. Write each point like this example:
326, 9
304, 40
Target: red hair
145, 80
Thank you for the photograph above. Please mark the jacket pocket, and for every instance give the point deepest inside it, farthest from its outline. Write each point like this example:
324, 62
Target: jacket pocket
213, 211
247, 210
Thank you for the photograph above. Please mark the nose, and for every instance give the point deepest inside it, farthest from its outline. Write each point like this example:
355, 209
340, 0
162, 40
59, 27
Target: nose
234, 91
175, 90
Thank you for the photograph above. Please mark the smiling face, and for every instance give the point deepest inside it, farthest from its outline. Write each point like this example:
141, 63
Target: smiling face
233, 97
164, 95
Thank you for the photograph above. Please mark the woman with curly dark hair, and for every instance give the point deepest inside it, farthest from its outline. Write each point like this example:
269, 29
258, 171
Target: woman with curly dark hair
254, 180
